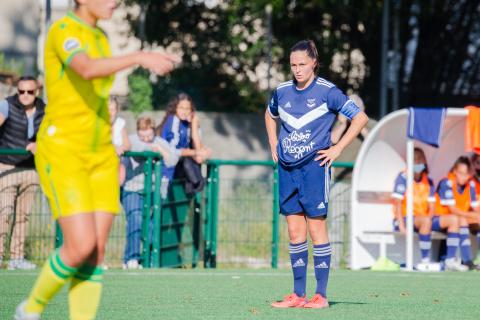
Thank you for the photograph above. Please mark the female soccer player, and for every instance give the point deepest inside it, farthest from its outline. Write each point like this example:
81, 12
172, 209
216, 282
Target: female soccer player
75, 158
307, 107
456, 197
423, 203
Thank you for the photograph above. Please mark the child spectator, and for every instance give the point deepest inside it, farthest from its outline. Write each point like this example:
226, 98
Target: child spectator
181, 128
132, 195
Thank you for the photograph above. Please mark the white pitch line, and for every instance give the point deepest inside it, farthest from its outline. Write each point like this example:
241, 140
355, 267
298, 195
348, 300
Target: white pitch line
185, 273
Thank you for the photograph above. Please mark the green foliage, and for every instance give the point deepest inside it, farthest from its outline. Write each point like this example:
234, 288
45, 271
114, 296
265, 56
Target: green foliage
225, 47
10, 65
140, 91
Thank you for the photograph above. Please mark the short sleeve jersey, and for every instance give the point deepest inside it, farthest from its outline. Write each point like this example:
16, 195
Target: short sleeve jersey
447, 196
76, 108
307, 117
400, 188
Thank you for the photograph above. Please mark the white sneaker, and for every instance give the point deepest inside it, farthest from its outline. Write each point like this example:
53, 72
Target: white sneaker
21, 314
21, 264
453, 265
132, 264
429, 267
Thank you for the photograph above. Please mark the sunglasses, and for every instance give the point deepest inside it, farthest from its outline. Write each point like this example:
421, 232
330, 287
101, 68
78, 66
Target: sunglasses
30, 92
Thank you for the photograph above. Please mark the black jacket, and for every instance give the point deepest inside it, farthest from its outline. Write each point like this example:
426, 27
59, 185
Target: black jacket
14, 131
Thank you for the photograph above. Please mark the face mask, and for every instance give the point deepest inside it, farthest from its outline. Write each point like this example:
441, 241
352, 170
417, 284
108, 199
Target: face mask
417, 168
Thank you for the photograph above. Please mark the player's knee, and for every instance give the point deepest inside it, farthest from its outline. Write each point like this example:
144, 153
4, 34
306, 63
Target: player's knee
296, 235
86, 249
454, 224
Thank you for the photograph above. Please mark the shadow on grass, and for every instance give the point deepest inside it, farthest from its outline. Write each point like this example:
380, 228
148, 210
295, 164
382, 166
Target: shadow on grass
333, 303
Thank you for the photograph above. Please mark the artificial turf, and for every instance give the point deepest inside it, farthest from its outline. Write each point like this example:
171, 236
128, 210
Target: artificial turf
246, 294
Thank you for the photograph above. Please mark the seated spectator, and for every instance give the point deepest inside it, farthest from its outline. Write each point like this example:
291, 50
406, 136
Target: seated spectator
132, 196
20, 118
119, 133
343, 123
475, 227
423, 203
456, 197
181, 128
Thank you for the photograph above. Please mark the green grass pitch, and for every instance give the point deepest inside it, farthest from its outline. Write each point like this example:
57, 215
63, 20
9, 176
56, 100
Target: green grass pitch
246, 294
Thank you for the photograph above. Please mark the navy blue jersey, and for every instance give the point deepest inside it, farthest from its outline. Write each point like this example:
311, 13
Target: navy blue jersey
307, 117
176, 132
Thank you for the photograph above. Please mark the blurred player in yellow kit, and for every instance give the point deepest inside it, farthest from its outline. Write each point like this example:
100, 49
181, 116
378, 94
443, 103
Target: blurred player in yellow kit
75, 158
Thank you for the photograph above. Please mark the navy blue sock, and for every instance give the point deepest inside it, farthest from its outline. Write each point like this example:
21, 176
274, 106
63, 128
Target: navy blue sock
425, 245
478, 243
452, 244
322, 254
299, 259
465, 244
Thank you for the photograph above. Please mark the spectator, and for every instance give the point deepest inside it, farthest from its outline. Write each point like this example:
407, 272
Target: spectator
343, 123
181, 128
119, 134
132, 195
20, 118
475, 227
456, 197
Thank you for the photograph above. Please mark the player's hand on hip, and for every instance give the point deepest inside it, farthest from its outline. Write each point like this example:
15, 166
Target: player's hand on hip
159, 63
329, 155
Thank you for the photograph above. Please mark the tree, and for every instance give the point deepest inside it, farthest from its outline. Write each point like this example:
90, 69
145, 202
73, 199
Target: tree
225, 47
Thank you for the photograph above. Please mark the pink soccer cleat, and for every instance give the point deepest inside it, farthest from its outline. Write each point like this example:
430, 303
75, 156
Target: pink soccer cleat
290, 301
317, 302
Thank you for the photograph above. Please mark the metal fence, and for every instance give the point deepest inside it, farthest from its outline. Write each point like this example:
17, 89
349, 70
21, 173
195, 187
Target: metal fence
244, 228
233, 222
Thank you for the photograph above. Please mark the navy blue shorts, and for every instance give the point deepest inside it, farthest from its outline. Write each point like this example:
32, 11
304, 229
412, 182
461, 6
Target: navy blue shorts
436, 224
396, 225
304, 189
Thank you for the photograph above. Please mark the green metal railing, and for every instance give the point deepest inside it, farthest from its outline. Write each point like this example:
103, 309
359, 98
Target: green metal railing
212, 208
168, 236
238, 223
233, 222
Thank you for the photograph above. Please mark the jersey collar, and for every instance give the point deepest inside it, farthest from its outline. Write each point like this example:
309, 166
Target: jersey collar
310, 86
77, 19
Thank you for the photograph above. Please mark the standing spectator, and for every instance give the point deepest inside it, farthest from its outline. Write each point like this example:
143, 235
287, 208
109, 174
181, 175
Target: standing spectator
181, 128
119, 134
119, 131
20, 118
132, 194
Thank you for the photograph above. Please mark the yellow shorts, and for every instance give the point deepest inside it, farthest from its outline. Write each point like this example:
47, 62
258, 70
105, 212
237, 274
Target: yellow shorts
77, 181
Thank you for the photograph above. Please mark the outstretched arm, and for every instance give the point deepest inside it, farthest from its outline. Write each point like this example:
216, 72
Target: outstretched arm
91, 68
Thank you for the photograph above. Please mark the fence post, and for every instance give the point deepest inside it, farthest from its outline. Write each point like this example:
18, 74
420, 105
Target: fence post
147, 203
208, 218
214, 215
157, 216
275, 212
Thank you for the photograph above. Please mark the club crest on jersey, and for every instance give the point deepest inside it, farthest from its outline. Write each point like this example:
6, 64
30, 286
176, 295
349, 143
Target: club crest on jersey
311, 103
71, 44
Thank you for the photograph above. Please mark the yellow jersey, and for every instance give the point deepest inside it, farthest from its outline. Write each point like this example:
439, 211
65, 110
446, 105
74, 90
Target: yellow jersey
77, 109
